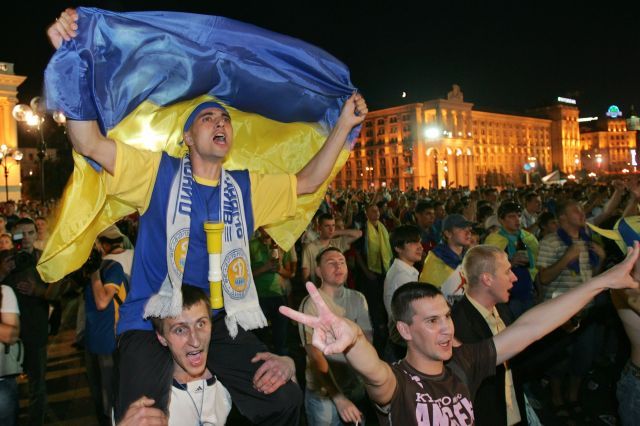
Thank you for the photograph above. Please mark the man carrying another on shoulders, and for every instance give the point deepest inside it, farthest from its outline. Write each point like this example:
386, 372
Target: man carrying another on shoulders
175, 197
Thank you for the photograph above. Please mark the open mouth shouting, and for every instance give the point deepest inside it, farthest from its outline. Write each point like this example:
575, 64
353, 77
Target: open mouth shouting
195, 358
220, 139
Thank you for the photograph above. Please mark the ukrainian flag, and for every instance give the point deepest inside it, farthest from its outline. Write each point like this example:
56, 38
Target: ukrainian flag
140, 74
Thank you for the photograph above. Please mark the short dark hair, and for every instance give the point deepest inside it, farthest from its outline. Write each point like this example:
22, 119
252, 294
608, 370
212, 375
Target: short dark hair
324, 251
508, 207
111, 241
404, 295
545, 218
530, 196
402, 235
325, 216
423, 205
24, 221
191, 295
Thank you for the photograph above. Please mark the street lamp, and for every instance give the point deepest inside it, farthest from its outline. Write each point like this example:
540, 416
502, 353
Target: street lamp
34, 115
369, 171
5, 154
599, 160
432, 132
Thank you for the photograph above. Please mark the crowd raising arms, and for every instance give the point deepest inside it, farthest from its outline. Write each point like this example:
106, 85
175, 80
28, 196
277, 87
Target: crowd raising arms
333, 334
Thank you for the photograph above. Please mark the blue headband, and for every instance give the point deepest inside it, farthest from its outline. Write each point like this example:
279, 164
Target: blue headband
198, 110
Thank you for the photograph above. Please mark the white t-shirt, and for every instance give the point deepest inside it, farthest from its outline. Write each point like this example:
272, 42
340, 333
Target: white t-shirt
125, 259
9, 301
399, 274
200, 402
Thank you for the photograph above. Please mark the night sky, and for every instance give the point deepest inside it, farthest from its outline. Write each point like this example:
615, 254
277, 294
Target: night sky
508, 56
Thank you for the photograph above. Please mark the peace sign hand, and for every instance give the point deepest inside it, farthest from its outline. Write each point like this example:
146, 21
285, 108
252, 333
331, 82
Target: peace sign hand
331, 334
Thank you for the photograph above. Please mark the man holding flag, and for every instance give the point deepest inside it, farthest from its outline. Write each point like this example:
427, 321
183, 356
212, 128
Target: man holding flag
174, 197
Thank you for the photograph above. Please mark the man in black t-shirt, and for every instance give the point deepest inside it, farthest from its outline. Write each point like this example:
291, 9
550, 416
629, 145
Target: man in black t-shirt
436, 382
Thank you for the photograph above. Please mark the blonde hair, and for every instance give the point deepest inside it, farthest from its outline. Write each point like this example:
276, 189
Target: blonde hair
479, 260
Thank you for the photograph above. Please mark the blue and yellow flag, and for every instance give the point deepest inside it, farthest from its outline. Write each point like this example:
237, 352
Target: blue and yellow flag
140, 74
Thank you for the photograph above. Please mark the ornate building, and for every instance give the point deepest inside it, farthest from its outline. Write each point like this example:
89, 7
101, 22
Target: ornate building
608, 143
9, 83
445, 142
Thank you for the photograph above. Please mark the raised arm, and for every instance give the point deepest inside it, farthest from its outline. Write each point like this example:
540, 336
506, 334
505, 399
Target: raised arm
542, 319
350, 234
102, 294
333, 334
316, 171
85, 136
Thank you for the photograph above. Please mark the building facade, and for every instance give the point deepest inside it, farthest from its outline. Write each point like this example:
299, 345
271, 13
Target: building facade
608, 143
445, 142
9, 83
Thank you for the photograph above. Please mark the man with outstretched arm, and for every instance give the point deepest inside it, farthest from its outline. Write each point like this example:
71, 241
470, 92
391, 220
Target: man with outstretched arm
156, 184
436, 382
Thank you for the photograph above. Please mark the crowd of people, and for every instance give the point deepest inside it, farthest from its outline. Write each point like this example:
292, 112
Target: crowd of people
425, 306
359, 250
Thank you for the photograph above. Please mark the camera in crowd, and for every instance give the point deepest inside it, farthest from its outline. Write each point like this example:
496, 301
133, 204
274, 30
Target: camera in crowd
21, 259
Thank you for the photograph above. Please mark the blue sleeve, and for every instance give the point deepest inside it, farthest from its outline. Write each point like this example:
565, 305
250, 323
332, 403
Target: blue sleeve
112, 274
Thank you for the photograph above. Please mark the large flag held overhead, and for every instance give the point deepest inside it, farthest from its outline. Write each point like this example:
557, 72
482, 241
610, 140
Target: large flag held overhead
140, 74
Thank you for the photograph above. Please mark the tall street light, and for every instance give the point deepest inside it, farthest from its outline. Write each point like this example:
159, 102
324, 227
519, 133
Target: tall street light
34, 115
5, 154
369, 171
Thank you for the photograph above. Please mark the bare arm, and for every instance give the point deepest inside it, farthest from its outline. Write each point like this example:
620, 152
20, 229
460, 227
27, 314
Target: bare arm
316, 171
631, 209
350, 234
611, 205
320, 367
9, 327
288, 270
542, 319
102, 294
550, 273
333, 334
85, 136
634, 195
87, 140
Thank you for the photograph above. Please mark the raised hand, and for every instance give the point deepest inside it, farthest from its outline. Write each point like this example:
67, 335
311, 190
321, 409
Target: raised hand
331, 334
64, 28
353, 111
619, 277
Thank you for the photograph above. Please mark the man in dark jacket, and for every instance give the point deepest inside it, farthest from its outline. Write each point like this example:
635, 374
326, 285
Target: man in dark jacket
483, 313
